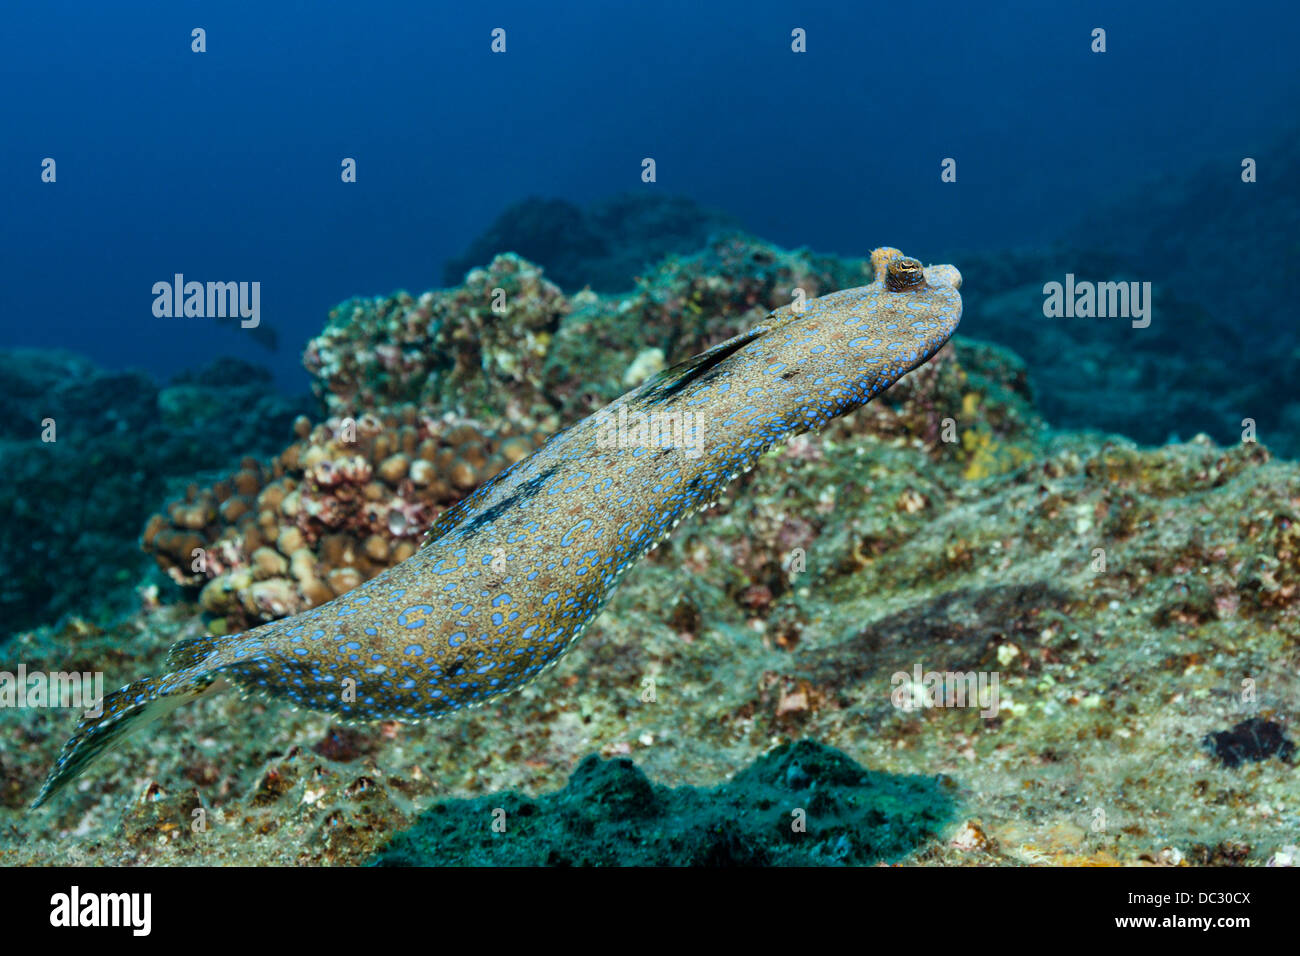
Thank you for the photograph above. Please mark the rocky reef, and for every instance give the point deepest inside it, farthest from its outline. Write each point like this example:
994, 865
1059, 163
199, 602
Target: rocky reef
603, 246
803, 804
1128, 605
72, 505
509, 344
1190, 366
477, 348
1215, 353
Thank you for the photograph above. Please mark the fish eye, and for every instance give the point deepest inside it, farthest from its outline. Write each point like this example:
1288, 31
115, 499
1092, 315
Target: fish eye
904, 273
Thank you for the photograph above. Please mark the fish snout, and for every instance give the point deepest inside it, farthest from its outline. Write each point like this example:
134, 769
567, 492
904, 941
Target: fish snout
943, 276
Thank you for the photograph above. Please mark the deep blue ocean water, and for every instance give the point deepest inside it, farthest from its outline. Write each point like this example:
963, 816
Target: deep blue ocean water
225, 165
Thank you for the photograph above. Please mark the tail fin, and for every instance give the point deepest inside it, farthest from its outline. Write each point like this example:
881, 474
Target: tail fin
123, 712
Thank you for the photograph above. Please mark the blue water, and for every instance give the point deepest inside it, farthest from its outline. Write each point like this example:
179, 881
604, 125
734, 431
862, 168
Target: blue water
225, 165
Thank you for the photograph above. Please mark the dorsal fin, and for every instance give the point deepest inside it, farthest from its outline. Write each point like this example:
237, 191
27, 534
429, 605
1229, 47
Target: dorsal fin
460, 510
672, 380
190, 651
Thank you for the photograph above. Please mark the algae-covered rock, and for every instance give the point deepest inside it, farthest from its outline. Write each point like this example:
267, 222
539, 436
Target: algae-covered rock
477, 349
603, 245
803, 804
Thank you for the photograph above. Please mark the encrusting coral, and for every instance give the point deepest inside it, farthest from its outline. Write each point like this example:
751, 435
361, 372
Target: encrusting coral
507, 343
476, 349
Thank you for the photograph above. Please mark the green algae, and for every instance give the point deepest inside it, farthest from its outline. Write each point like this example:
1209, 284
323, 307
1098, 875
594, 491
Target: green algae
803, 804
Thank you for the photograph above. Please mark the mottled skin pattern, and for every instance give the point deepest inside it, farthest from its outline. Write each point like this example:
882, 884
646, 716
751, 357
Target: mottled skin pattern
509, 578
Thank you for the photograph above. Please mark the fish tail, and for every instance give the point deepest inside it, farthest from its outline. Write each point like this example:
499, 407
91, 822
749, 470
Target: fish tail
122, 713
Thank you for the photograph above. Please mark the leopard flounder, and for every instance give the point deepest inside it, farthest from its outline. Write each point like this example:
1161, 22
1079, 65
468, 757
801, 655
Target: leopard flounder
509, 577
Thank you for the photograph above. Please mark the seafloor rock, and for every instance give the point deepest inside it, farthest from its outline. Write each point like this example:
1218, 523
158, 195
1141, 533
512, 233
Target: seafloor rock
70, 509
1189, 370
682, 306
507, 344
477, 349
1215, 352
603, 246
1235, 249
803, 804
1252, 739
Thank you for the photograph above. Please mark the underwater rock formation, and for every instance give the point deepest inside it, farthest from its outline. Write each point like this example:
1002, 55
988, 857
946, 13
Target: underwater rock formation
538, 358
1189, 370
1212, 355
603, 246
684, 305
72, 506
476, 349
803, 804
1235, 251
1110, 679
1252, 739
